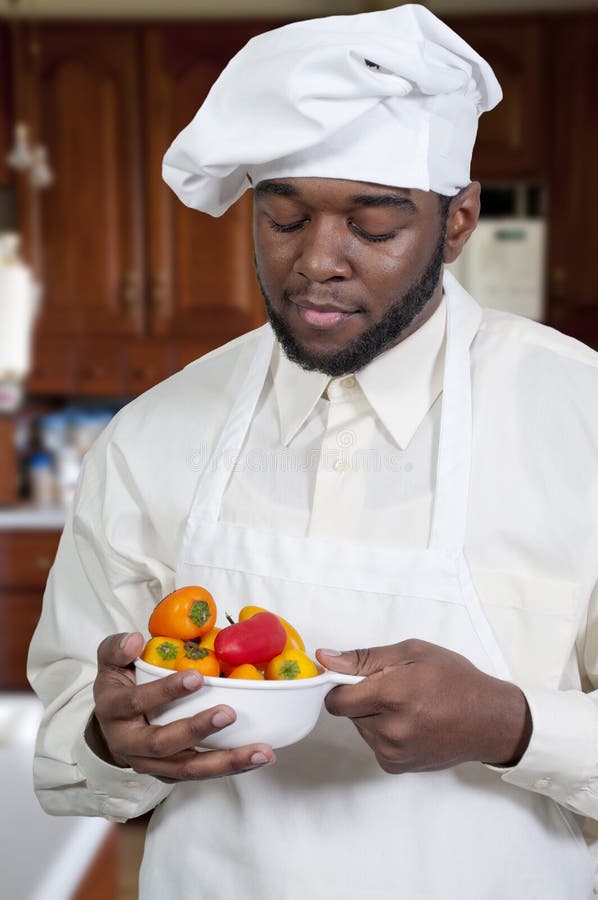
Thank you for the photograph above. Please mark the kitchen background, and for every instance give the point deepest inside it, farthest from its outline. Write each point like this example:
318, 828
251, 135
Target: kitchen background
122, 285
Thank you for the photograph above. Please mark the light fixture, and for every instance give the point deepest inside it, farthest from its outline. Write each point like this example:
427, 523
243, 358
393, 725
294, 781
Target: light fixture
22, 156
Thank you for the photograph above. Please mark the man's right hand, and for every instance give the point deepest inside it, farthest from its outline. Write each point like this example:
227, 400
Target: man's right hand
164, 751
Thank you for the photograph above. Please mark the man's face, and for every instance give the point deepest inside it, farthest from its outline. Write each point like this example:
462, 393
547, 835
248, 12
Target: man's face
347, 268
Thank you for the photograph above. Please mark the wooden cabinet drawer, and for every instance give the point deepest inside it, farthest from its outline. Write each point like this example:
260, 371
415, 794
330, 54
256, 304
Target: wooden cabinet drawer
19, 614
26, 558
98, 370
145, 364
52, 370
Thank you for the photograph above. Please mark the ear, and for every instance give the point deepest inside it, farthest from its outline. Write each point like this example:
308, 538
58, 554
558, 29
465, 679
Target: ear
463, 215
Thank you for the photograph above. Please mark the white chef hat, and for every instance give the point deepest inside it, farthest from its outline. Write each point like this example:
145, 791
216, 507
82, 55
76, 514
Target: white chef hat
390, 97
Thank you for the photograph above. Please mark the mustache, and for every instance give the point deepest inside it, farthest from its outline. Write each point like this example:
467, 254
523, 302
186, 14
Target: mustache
325, 302
312, 296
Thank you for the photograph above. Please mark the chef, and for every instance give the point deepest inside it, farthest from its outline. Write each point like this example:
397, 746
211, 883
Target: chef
385, 464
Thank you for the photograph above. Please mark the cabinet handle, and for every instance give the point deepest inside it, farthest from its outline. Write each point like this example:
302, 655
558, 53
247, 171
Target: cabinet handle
130, 294
42, 563
558, 282
158, 295
92, 373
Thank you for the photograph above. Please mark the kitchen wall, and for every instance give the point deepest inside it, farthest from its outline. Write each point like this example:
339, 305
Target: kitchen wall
265, 8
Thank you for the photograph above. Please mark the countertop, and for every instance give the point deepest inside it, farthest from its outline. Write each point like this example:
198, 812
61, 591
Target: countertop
43, 857
32, 518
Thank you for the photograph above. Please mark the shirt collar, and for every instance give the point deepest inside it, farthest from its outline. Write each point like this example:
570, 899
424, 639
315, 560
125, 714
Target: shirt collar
400, 385
297, 392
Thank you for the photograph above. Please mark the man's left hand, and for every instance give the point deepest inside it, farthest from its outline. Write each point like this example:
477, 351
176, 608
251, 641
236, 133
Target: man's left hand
423, 707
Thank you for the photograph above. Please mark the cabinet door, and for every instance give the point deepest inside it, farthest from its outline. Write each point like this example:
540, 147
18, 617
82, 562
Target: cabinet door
202, 284
25, 561
573, 235
511, 138
19, 614
5, 111
79, 85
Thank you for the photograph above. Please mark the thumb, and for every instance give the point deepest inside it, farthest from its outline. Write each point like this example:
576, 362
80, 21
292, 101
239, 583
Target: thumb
353, 662
120, 649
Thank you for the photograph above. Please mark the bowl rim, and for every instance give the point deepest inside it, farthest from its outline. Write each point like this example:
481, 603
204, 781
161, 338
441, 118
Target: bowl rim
243, 683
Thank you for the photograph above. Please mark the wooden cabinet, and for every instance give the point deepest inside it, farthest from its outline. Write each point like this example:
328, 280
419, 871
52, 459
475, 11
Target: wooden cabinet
137, 284
5, 104
80, 89
511, 139
122, 261
201, 279
25, 561
8, 462
573, 236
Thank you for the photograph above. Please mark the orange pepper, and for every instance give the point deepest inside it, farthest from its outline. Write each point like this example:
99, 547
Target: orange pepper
294, 639
163, 651
187, 613
290, 665
247, 671
199, 659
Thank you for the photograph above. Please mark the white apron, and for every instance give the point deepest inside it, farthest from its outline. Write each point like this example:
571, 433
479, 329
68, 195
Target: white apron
325, 821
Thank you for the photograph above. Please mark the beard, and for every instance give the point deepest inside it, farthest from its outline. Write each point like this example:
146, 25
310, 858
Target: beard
379, 337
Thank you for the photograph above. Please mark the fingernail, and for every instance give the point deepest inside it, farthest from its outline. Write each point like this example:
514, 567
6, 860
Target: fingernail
191, 680
259, 759
124, 640
327, 652
220, 719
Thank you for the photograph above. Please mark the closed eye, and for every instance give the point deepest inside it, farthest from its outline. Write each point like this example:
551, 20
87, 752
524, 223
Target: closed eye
372, 237
286, 229
366, 235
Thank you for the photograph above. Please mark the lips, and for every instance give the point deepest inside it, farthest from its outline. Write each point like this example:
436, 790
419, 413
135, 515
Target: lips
324, 315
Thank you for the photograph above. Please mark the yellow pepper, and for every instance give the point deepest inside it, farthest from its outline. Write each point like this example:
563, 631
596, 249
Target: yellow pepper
291, 664
163, 651
207, 641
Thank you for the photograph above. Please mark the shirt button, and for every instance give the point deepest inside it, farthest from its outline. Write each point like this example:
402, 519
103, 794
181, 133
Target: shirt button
132, 784
349, 381
542, 783
340, 466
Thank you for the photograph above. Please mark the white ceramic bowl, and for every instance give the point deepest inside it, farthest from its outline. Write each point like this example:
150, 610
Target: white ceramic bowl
278, 713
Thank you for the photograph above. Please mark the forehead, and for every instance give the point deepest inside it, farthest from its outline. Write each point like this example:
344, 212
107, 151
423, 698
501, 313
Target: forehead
321, 192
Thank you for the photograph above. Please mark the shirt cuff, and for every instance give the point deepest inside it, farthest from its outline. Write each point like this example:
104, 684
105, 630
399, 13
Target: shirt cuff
121, 793
562, 756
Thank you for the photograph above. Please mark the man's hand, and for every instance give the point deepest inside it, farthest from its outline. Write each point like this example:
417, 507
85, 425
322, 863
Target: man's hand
165, 752
422, 707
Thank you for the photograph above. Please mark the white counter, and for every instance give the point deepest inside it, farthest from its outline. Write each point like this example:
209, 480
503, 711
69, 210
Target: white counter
31, 518
43, 857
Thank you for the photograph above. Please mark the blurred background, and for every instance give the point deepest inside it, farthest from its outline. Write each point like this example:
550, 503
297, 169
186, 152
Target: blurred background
108, 284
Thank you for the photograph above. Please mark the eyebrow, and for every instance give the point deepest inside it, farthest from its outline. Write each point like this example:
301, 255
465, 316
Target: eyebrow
374, 200
283, 189
278, 188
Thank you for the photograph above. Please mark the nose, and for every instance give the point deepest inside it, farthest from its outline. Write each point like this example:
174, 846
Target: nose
323, 254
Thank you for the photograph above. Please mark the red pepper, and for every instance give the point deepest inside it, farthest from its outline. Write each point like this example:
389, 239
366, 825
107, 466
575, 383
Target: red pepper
258, 639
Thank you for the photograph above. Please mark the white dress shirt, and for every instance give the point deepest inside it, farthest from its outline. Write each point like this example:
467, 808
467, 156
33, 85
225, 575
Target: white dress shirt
351, 459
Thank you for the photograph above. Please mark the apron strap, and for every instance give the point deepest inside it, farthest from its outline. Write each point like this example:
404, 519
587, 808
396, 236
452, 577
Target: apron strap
220, 466
449, 518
